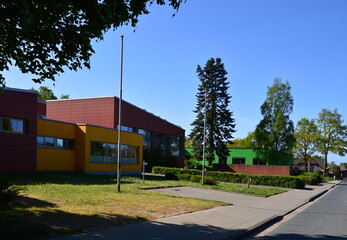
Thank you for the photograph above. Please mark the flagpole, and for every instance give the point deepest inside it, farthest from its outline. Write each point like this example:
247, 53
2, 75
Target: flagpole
203, 146
120, 117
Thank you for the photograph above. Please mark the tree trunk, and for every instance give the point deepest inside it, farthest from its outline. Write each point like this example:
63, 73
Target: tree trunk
325, 163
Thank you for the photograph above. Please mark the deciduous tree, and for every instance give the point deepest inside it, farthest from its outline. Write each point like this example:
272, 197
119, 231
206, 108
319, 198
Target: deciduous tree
43, 37
45, 93
306, 137
247, 142
275, 132
332, 134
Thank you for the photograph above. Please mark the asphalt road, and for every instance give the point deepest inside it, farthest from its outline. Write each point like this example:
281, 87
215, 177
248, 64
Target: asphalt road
325, 219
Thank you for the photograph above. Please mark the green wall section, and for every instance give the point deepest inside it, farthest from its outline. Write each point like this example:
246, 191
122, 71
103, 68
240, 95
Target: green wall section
248, 154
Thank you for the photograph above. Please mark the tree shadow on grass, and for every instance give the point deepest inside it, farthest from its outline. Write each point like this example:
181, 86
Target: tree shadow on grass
32, 218
72, 178
66, 178
28, 202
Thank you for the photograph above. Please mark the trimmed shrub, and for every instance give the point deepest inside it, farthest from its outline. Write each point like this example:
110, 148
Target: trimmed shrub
267, 180
312, 178
184, 177
171, 176
195, 178
177, 171
209, 181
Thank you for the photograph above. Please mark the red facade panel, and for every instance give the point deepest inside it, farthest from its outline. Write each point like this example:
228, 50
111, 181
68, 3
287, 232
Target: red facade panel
96, 111
104, 112
41, 108
254, 169
133, 116
18, 151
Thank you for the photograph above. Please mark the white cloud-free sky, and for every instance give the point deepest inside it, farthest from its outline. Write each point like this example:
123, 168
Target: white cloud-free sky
304, 42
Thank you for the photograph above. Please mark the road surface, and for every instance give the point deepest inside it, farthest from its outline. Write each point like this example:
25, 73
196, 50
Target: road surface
325, 219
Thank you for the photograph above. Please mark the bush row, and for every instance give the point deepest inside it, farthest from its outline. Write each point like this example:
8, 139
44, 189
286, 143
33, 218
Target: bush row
164, 170
267, 180
312, 178
189, 177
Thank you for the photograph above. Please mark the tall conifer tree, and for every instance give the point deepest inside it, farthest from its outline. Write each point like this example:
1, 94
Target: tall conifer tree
220, 124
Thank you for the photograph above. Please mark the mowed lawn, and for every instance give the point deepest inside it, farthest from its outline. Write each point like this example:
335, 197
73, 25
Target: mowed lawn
65, 203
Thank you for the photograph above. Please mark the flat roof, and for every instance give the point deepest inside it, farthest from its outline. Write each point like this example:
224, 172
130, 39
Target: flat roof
18, 90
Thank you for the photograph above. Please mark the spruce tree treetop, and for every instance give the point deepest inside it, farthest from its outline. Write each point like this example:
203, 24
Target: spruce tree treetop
42, 37
212, 92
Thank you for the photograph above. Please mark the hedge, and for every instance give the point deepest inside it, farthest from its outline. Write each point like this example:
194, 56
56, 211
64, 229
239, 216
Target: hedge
311, 178
163, 170
171, 176
184, 177
266, 180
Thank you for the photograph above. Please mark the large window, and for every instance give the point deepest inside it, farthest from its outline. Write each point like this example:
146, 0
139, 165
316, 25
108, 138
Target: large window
13, 125
175, 146
161, 142
129, 154
98, 152
258, 161
101, 152
236, 160
147, 138
52, 142
126, 128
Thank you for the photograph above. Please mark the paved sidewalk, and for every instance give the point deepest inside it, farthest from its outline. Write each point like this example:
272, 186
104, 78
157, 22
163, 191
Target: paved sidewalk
227, 222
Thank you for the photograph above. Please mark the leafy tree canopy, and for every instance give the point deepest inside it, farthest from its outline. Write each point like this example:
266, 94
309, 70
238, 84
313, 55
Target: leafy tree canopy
65, 96
188, 143
332, 134
275, 132
45, 93
306, 137
247, 142
42, 37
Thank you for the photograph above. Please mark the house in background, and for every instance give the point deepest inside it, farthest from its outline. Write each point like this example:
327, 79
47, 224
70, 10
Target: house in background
314, 165
248, 160
78, 134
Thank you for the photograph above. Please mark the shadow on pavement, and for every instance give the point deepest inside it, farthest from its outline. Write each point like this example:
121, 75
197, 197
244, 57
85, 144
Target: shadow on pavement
161, 231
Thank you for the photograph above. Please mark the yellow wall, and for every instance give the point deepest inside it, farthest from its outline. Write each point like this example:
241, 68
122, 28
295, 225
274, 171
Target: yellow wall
100, 134
78, 159
52, 159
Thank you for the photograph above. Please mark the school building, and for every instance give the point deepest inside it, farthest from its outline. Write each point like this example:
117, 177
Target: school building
79, 134
249, 161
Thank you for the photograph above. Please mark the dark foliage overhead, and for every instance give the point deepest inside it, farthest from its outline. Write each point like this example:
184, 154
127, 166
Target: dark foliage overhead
43, 36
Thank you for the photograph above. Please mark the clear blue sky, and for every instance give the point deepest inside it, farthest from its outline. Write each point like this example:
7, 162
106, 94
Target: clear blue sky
304, 42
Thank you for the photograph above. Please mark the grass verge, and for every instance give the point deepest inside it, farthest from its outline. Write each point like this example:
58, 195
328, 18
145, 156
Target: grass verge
252, 190
66, 203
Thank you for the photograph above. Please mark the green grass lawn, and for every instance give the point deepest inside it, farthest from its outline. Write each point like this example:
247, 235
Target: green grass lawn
252, 190
66, 203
